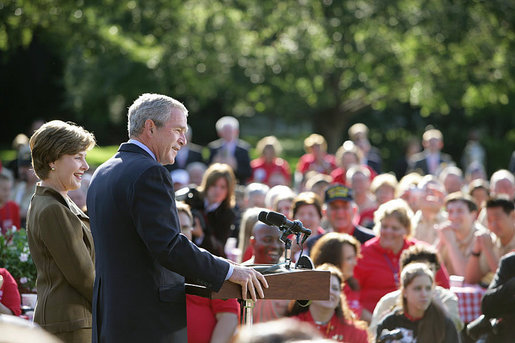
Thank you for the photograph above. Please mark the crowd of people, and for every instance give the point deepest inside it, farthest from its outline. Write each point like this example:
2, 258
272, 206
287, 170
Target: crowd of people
108, 242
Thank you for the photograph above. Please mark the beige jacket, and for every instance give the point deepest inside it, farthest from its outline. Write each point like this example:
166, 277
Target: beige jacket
62, 249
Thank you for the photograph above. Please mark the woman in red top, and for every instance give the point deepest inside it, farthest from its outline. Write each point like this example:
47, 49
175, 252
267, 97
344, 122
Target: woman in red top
316, 157
9, 296
268, 168
9, 210
332, 317
377, 270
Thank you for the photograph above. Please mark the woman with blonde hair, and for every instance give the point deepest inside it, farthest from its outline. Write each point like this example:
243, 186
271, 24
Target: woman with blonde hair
269, 168
378, 269
58, 232
419, 319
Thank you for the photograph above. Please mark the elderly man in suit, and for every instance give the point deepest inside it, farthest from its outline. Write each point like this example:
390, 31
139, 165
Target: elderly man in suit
231, 150
142, 258
431, 160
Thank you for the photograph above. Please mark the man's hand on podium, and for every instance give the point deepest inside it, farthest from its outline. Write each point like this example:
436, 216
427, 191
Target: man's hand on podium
250, 280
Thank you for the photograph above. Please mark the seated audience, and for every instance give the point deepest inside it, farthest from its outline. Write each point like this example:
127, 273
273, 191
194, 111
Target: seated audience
448, 301
456, 236
214, 199
9, 210
340, 211
307, 207
348, 155
431, 212
452, 179
332, 318
342, 250
479, 190
377, 270
316, 158
383, 187
269, 168
358, 133
279, 331
231, 150
431, 160
486, 253
420, 318
268, 249
317, 183
208, 320
10, 301
408, 190
358, 179
196, 172
254, 195
248, 219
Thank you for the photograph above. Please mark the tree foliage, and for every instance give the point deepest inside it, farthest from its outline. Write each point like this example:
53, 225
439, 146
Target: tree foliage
330, 62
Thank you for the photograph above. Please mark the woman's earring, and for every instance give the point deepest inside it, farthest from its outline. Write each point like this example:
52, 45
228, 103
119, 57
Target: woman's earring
53, 168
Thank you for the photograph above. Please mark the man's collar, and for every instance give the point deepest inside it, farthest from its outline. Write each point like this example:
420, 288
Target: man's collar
142, 146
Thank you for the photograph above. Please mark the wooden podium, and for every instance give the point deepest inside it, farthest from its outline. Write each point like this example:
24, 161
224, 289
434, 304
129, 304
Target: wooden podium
294, 284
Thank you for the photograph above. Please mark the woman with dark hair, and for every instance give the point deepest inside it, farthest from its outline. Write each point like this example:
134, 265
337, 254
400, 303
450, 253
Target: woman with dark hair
214, 200
58, 232
343, 251
419, 319
332, 317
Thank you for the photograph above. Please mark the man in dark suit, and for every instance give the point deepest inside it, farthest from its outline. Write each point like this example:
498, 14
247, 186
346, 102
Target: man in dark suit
431, 160
231, 150
188, 154
142, 259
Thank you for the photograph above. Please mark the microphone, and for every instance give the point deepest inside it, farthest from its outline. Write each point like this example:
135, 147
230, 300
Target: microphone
280, 220
262, 218
388, 336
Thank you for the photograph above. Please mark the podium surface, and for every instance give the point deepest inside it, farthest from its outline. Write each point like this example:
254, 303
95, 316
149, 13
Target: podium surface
290, 285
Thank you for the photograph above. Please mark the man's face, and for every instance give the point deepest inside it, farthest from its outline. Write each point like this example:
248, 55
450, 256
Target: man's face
339, 214
500, 223
460, 216
267, 246
228, 133
5, 190
168, 139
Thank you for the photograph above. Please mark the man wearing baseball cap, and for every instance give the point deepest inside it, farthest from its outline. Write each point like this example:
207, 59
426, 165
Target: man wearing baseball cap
340, 210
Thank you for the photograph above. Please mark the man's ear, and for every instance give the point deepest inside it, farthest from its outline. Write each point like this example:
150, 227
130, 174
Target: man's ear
149, 126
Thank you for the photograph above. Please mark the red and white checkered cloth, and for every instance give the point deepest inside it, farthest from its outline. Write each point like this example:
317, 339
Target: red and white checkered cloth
469, 301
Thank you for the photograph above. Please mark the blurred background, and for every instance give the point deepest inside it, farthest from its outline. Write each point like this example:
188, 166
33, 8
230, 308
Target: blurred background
287, 68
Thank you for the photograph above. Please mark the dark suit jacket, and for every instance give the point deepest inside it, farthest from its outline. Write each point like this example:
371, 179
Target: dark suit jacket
141, 257
194, 155
499, 299
418, 162
241, 154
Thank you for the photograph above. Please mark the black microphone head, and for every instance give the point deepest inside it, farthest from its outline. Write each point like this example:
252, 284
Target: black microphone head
262, 218
275, 218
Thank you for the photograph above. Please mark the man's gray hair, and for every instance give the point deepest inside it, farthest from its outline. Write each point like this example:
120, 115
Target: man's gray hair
156, 107
227, 120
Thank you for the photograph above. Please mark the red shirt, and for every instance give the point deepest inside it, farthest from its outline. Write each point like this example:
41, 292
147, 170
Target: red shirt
340, 331
352, 297
307, 163
376, 271
201, 316
9, 216
262, 170
9, 295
